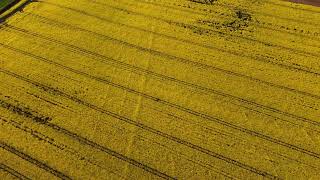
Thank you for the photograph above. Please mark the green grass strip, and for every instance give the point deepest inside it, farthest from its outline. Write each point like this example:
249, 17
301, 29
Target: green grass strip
5, 3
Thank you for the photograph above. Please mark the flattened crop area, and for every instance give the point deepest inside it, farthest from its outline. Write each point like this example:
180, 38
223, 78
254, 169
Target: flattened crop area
148, 89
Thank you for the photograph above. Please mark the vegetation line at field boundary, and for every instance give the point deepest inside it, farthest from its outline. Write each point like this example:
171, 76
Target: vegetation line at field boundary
14, 7
7, 4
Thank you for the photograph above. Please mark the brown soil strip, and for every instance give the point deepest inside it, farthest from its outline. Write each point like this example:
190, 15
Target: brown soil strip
309, 2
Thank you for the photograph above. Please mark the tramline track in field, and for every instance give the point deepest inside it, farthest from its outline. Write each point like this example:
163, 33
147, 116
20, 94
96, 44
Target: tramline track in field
181, 89
175, 80
155, 99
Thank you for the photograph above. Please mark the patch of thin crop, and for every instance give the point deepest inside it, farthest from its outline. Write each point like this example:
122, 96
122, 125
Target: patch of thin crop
204, 1
244, 16
239, 22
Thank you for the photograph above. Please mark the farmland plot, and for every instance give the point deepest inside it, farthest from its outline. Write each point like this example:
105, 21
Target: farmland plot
148, 89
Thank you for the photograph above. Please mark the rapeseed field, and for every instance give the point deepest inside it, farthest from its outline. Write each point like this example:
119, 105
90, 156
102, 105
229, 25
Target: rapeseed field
160, 89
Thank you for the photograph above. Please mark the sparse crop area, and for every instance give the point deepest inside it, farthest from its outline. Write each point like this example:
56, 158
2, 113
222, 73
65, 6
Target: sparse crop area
160, 89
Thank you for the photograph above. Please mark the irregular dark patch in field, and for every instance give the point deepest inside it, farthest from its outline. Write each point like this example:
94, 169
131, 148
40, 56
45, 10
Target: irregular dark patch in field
25, 112
204, 1
240, 22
